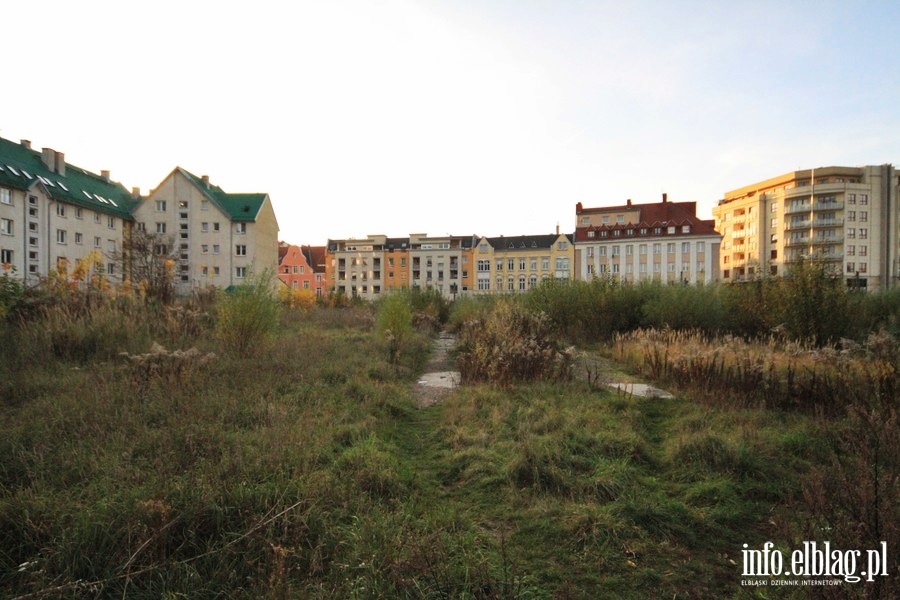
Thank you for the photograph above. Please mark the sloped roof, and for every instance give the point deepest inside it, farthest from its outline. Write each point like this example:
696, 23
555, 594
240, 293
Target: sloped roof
238, 207
21, 168
315, 257
526, 242
658, 214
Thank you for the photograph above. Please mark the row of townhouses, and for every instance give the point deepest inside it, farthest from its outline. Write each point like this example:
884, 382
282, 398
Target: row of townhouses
53, 214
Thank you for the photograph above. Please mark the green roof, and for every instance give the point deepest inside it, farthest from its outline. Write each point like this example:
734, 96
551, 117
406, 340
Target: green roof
239, 207
22, 168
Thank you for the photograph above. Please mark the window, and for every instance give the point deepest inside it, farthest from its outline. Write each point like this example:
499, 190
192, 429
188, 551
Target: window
851, 198
521, 264
96, 217
215, 248
863, 267
774, 207
110, 268
863, 233
484, 285
97, 242
685, 247
79, 238
204, 227
240, 228
590, 234
545, 263
671, 229
160, 206
863, 199
160, 228
240, 250
863, 215
629, 250
204, 205
602, 251
6, 226
240, 272
61, 236
701, 247
6, 256
5, 198
511, 264
851, 250
863, 250
851, 215
604, 219
642, 249
215, 226
687, 228
851, 233
215, 271
61, 210
110, 245
615, 251
204, 248
562, 246
670, 248
484, 266
111, 222
657, 248
617, 233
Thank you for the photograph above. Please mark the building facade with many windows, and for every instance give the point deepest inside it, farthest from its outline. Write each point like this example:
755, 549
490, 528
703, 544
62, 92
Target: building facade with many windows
55, 216
516, 264
845, 217
215, 238
663, 241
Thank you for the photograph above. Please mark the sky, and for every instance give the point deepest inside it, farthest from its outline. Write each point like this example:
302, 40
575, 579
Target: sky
457, 117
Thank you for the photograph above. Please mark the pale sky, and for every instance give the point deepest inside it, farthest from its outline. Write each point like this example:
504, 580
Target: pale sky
454, 116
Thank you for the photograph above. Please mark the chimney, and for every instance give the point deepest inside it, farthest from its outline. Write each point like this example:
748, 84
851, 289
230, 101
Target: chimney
105, 175
557, 228
60, 163
48, 157
665, 198
629, 202
136, 192
26, 143
205, 179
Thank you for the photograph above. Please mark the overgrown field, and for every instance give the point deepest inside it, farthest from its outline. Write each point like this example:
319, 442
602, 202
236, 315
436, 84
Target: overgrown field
290, 461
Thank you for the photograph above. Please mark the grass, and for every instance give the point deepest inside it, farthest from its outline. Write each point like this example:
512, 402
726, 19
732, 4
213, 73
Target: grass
302, 468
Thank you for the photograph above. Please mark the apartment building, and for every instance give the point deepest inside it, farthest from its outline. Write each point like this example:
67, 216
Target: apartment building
440, 263
846, 217
368, 266
315, 258
507, 265
353, 267
663, 241
216, 238
54, 214
297, 267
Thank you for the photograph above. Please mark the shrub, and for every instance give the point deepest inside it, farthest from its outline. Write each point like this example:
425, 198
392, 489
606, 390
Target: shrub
511, 345
247, 315
394, 320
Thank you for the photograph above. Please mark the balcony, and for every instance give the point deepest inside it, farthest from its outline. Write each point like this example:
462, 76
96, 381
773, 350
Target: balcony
804, 224
795, 209
823, 241
829, 223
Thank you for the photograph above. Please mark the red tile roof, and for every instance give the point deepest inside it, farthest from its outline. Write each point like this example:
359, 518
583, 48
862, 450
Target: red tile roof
659, 214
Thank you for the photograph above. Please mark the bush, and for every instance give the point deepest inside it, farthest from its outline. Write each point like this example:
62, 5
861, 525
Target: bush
394, 320
511, 345
247, 315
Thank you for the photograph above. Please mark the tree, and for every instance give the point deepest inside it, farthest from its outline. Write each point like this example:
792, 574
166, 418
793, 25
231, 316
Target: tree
148, 264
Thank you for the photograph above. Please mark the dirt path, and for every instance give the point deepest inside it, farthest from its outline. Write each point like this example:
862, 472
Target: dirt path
439, 379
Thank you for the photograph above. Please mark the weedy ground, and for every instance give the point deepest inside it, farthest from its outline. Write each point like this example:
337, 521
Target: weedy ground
301, 467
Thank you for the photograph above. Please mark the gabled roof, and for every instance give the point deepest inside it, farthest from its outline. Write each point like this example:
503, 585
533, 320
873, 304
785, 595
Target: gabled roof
238, 207
315, 257
22, 168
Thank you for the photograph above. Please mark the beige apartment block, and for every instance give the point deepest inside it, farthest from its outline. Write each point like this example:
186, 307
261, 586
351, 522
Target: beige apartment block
516, 264
662, 241
354, 267
216, 238
845, 217
440, 263
54, 215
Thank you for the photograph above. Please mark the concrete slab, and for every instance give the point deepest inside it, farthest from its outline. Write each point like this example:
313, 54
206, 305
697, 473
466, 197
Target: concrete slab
641, 389
440, 379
